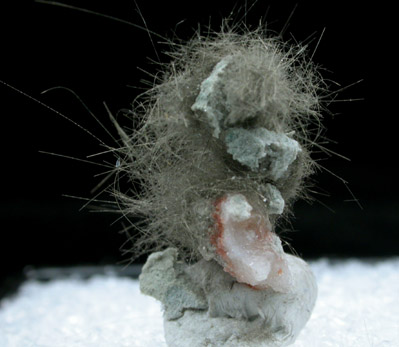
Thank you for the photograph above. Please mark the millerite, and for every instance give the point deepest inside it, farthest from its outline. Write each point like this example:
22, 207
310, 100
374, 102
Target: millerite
222, 151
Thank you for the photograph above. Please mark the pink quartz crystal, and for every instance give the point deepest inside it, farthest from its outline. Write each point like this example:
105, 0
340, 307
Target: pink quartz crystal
248, 249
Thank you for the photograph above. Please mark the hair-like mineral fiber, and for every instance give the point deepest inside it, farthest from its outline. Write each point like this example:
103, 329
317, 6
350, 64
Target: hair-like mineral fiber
181, 168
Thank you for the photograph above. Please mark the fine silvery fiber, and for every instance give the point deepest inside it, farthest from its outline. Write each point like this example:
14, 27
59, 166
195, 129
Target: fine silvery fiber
221, 152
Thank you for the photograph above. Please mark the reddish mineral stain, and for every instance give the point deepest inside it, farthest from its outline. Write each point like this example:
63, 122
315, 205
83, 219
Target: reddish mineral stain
248, 248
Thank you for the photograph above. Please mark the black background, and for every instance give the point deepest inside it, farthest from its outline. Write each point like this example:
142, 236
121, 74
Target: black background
45, 46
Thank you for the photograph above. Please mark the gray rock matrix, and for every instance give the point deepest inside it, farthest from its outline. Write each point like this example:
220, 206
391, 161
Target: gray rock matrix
205, 306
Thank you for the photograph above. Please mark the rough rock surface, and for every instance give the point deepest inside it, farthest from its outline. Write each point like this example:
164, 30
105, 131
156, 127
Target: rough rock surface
205, 306
164, 279
276, 152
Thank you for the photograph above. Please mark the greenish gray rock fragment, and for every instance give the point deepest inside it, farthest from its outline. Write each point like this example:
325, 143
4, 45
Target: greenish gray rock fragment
210, 96
163, 278
274, 200
253, 147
